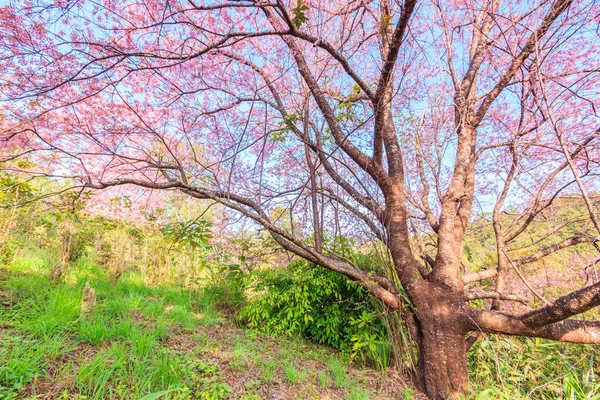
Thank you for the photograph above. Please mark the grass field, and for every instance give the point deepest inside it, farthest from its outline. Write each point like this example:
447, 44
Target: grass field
141, 341
165, 342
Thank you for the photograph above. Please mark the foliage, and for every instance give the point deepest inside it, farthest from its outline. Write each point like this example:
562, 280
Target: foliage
370, 340
299, 14
72, 235
130, 345
552, 275
509, 368
320, 305
40, 323
189, 233
512, 116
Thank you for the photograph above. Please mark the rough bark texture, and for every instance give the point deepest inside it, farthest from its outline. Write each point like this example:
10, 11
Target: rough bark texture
443, 346
572, 304
569, 330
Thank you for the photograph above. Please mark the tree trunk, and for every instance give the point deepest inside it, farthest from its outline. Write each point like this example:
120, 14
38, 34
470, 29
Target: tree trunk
444, 357
443, 348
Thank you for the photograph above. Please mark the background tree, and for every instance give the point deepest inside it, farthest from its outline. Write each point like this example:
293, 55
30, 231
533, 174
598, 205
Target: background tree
393, 118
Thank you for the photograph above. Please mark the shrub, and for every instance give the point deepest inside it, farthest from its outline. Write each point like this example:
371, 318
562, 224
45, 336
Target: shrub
320, 305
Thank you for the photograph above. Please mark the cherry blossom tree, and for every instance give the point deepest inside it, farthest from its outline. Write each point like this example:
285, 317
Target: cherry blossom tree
394, 120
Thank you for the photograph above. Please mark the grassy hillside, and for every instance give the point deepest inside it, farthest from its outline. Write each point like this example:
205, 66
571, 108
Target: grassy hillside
179, 316
140, 340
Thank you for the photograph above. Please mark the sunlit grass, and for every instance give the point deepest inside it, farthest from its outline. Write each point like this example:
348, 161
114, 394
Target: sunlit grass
121, 349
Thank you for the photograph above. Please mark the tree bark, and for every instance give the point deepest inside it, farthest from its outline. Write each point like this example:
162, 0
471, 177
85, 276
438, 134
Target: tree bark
443, 347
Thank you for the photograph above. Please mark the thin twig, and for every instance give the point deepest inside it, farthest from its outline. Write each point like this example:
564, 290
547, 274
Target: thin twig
539, 296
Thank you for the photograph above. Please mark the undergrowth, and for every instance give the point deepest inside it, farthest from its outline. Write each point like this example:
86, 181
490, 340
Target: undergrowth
524, 368
320, 305
142, 339
137, 341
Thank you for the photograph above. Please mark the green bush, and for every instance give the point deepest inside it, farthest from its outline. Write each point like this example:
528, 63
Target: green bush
320, 305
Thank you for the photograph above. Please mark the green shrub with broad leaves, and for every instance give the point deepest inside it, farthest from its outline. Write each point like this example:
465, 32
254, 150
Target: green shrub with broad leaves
320, 305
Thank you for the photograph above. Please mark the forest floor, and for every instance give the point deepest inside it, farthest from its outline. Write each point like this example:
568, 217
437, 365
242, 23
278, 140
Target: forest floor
143, 342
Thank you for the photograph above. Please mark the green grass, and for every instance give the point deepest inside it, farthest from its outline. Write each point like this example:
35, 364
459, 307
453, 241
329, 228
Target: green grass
122, 328
210, 317
267, 370
141, 340
138, 340
95, 331
115, 308
121, 355
323, 379
359, 394
338, 373
51, 311
21, 359
293, 374
509, 368
153, 309
240, 353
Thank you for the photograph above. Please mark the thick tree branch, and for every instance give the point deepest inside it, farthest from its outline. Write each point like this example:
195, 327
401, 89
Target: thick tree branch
394, 48
572, 331
365, 201
336, 55
342, 140
564, 307
572, 241
371, 283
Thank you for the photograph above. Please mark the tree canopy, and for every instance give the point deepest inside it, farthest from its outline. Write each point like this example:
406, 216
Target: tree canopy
394, 121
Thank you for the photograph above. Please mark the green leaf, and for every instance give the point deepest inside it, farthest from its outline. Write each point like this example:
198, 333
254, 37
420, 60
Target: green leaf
156, 395
277, 137
299, 14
